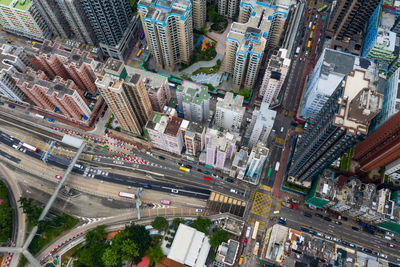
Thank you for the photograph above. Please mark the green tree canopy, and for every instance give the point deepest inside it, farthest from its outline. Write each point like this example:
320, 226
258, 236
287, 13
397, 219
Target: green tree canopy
211, 13
111, 258
141, 237
177, 221
245, 93
155, 254
217, 237
32, 211
201, 224
160, 224
97, 234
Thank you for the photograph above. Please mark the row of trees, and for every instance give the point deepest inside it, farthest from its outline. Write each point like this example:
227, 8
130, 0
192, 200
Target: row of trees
6, 214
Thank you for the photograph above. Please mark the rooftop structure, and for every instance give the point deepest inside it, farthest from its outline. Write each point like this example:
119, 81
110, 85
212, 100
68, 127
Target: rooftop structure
193, 101
168, 29
190, 247
329, 71
194, 134
344, 118
229, 112
260, 24
22, 17
227, 252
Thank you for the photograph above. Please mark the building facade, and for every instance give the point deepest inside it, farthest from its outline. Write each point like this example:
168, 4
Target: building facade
126, 96
381, 147
199, 13
341, 122
274, 76
194, 135
168, 27
256, 160
228, 8
229, 112
261, 125
22, 17
193, 101
259, 25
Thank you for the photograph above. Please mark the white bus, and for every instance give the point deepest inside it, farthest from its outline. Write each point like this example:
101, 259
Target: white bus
255, 230
127, 195
277, 166
28, 146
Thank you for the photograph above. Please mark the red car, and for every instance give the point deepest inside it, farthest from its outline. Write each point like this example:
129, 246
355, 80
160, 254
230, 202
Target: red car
391, 245
245, 242
58, 177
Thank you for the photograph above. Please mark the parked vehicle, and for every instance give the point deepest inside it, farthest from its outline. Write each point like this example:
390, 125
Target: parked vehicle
165, 202
307, 215
245, 242
391, 245
355, 228
319, 215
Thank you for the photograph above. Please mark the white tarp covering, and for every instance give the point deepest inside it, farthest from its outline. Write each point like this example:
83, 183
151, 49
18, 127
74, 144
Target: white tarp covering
72, 141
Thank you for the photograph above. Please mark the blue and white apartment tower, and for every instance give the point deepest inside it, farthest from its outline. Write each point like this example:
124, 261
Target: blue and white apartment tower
260, 25
168, 27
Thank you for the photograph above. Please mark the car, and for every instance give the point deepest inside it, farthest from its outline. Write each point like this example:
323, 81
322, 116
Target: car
245, 242
319, 215
58, 177
214, 175
283, 219
307, 214
180, 164
312, 232
352, 245
343, 218
327, 219
161, 157
391, 245
345, 243
234, 191
282, 222
300, 59
375, 253
207, 172
338, 223
147, 186
229, 180
355, 228
188, 166
199, 210
367, 250
328, 237
176, 191
320, 234
293, 123
336, 239
398, 259
382, 255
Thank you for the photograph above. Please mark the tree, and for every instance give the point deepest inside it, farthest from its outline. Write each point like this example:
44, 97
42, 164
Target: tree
96, 235
155, 254
111, 258
177, 221
201, 224
32, 211
245, 93
141, 237
217, 237
211, 13
129, 250
91, 254
160, 224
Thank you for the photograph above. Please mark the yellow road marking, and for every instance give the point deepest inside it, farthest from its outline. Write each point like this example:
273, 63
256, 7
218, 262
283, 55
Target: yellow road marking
52, 149
16, 136
83, 156
205, 213
266, 188
165, 211
91, 157
30, 141
45, 147
190, 211
149, 213
181, 211
173, 211
23, 138
278, 205
157, 211
59, 152
37, 144
67, 154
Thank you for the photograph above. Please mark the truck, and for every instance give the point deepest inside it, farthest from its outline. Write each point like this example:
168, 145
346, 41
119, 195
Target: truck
277, 166
256, 247
184, 169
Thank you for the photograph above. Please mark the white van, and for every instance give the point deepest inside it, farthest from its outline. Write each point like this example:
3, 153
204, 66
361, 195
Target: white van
388, 237
276, 212
248, 231
234, 191
282, 129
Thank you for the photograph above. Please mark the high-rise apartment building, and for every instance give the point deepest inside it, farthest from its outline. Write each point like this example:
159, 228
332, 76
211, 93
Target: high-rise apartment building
274, 76
10, 62
76, 64
261, 125
259, 25
256, 160
380, 148
168, 27
193, 135
58, 96
126, 96
108, 18
199, 13
219, 149
349, 17
340, 124
164, 132
327, 74
22, 17
228, 8
55, 19
157, 87
229, 112
193, 101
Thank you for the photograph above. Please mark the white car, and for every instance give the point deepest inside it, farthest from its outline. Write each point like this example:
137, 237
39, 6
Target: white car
175, 191
390, 234
382, 255
199, 210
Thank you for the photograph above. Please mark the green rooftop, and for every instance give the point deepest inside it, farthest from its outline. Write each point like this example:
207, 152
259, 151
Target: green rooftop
191, 91
22, 4
187, 99
179, 88
156, 118
5, 2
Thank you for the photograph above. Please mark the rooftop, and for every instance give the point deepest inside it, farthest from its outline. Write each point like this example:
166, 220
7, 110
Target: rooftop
195, 127
228, 251
157, 122
22, 4
151, 80
160, 10
231, 102
173, 126
193, 92
113, 65
6, 60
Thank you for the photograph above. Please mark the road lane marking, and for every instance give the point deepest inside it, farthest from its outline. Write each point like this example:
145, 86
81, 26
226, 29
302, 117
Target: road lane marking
52, 149
67, 154
23, 138
30, 141
173, 211
149, 212
59, 152
37, 144
45, 147
165, 211
157, 212
181, 211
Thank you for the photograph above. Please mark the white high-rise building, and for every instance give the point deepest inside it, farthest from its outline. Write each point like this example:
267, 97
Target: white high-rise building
256, 160
229, 112
275, 75
168, 27
199, 13
228, 8
193, 101
261, 125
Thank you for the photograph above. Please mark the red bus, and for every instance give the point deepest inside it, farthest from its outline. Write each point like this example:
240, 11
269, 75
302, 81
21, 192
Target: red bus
298, 120
28, 146
207, 178
127, 195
